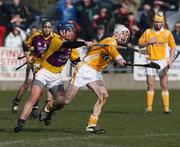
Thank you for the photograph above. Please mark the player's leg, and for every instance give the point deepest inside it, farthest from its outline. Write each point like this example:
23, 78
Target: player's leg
38, 85
35, 94
22, 89
49, 98
61, 99
150, 78
165, 92
57, 92
100, 90
55, 86
164, 85
35, 111
150, 92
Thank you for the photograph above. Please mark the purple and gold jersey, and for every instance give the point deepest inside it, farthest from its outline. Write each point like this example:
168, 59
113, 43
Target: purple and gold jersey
38, 44
56, 57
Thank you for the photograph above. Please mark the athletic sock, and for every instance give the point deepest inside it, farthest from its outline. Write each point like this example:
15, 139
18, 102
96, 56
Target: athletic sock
92, 120
150, 97
49, 106
165, 98
16, 100
21, 122
36, 104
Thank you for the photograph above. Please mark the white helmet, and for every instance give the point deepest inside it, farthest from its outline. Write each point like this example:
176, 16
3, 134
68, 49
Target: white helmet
119, 29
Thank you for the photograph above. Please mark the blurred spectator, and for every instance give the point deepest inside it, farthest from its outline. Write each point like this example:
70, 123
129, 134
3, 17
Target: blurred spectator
121, 15
17, 14
109, 4
2, 34
132, 5
104, 18
151, 13
145, 18
176, 33
157, 6
134, 29
15, 38
67, 11
165, 5
2, 25
100, 33
86, 9
32, 31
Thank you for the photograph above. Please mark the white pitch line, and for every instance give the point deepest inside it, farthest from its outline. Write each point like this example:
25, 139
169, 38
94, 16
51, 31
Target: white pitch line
4, 143
5, 109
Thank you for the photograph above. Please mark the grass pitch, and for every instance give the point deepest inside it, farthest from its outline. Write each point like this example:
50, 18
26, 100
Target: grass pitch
123, 118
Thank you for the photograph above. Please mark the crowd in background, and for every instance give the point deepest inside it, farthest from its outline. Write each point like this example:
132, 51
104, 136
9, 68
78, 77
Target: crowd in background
94, 19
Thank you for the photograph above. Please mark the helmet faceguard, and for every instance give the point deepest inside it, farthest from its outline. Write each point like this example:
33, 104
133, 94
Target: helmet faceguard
63, 29
64, 26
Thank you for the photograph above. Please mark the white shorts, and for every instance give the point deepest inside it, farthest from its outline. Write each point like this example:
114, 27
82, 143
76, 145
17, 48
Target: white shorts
48, 78
152, 71
84, 74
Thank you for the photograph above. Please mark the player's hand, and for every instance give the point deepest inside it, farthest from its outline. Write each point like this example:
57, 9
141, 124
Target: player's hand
153, 40
169, 62
31, 48
63, 34
30, 59
121, 62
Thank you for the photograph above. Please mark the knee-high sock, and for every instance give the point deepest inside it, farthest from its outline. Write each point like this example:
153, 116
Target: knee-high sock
150, 97
165, 98
92, 120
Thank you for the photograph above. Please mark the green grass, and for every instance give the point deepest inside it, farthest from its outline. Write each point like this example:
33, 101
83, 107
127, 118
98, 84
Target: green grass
123, 118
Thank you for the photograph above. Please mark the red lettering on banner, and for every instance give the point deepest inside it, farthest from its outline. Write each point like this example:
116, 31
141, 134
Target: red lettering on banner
10, 53
8, 63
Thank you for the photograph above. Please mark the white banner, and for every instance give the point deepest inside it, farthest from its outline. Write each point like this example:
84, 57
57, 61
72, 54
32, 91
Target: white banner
139, 72
9, 62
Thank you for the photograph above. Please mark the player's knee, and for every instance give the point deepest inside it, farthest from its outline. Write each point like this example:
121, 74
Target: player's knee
105, 95
164, 88
150, 85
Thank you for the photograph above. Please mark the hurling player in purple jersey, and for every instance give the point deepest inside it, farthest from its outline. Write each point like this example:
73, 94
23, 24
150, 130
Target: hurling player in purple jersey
34, 48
